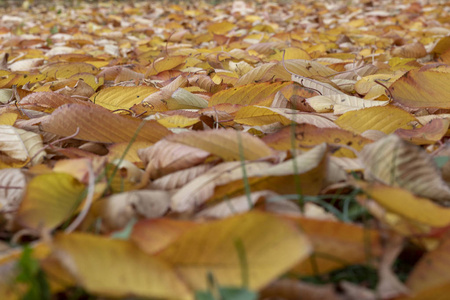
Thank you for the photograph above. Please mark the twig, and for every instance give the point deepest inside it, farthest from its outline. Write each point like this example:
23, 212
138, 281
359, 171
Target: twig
55, 142
391, 97
23, 232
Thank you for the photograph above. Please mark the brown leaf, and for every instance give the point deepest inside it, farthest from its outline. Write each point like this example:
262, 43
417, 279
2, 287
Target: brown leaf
97, 124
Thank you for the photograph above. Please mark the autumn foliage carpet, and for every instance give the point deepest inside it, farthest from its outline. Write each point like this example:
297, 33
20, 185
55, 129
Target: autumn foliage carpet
254, 150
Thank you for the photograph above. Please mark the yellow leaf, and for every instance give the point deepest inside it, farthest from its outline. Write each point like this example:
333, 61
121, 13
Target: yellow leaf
177, 121
20, 79
271, 247
247, 94
271, 71
8, 119
258, 115
164, 64
427, 87
290, 53
116, 268
385, 118
342, 103
442, 46
221, 28
68, 69
90, 79
49, 200
122, 97
404, 203
367, 84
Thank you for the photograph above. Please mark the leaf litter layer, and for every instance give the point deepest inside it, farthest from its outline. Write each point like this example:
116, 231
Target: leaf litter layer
240, 150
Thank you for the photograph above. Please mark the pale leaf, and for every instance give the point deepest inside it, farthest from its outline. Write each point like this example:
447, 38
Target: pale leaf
180, 178
202, 187
400, 164
299, 117
165, 157
21, 145
118, 209
182, 99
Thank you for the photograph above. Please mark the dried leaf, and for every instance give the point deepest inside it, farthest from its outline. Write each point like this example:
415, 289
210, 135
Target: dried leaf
426, 87
21, 145
166, 157
119, 209
247, 94
386, 119
226, 144
399, 164
121, 97
97, 124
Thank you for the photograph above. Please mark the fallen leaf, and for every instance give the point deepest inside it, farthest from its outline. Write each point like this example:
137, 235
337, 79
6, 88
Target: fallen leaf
271, 246
130, 271
426, 87
226, 143
97, 124
386, 119
405, 204
400, 164
21, 145
49, 200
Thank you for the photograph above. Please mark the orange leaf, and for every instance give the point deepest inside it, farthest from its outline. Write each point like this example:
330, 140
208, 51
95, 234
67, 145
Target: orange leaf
336, 244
